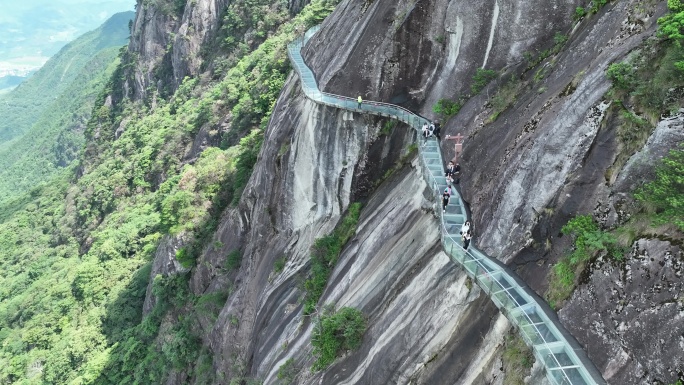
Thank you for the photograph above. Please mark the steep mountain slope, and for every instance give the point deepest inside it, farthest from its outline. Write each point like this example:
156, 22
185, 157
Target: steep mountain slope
218, 222
23, 106
76, 252
33, 31
341, 60
47, 115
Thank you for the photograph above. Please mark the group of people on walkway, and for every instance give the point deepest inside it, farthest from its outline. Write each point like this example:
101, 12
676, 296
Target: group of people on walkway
431, 129
466, 229
452, 174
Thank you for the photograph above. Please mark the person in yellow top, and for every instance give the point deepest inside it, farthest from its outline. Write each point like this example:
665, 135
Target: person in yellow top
360, 101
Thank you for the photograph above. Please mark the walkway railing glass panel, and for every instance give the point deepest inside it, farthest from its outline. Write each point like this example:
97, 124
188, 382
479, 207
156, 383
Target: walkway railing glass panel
517, 302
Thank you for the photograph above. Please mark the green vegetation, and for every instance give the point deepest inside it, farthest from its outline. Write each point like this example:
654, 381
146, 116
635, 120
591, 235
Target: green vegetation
666, 192
336, 333
623, 76
244, 15
23, 107
233, 260
324, 256
504, 97
589, 241
259, 18
481, 78
76, 252
211, 303
517, 360
663, 201
649, 79
596, 5
167, 7
387, 127
44, 118
580, 12
650, 83
279, 264
288, 371
559, 41
632, 133
672, 24
447, 108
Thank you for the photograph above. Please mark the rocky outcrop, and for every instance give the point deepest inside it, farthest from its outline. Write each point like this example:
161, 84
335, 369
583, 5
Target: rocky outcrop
416, 52
164, 264
301, 134
549, 150
166, 40
633, 315
526, 172
668, 134
151, 35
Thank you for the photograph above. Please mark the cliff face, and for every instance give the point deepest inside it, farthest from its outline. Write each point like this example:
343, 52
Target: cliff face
167, 39
416, 52
552, 149
538, 162
166, 42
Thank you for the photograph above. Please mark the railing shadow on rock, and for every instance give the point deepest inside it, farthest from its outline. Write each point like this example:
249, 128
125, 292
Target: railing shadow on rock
565, 361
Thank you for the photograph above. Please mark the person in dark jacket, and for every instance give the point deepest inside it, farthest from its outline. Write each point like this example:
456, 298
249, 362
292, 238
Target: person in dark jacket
449, 173
445, 199
437, 130
466, 239
456, 176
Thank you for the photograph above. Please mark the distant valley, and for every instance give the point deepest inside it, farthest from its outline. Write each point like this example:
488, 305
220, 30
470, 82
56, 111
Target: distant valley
32, 31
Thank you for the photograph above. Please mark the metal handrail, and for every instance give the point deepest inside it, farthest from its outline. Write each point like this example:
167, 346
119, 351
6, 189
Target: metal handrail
490, 270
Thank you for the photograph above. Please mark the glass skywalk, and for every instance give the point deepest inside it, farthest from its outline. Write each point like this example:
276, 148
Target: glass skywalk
565, 361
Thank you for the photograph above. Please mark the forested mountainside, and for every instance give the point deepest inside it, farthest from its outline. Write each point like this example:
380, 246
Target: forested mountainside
34, 31
23, 106
221, 228
44, 119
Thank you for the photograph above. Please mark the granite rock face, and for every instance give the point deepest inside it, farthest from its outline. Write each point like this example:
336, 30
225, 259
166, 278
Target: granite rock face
392, 269
164, 264
552, 148
542, 160
166, 39
633, 315
416, 52
668, 134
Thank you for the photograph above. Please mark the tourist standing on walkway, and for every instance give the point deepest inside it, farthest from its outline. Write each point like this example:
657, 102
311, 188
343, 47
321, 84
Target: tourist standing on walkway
445, 199
456, 176
436, 130
425, 130
449, 173
360, 101
466, 240
465, 228
426, 134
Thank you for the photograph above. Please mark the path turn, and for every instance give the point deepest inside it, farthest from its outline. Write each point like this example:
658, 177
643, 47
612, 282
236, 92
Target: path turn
565, 361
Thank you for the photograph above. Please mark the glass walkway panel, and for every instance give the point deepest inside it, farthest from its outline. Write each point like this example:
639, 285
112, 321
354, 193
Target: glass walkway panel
564, 360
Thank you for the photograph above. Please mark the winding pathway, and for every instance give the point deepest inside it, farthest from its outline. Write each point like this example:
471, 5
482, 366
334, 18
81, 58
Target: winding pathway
565, 361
